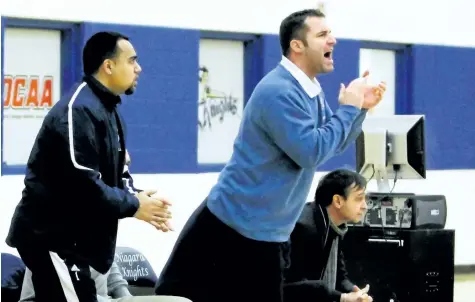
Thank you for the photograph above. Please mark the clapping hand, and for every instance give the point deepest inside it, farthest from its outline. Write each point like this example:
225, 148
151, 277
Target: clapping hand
163, 226
154, 210
373, 94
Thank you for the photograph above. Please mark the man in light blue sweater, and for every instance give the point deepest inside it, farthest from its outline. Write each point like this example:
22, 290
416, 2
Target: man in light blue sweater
235, 245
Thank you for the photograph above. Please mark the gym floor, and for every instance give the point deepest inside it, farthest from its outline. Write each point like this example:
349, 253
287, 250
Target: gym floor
463, 288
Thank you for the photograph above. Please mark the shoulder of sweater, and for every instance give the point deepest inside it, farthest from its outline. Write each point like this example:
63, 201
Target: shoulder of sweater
278, 79
277, 85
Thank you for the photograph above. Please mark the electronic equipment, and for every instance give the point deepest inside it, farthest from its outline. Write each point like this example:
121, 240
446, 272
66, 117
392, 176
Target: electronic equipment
428, 211
392, 248
404, 211
387, 210
391, 147
415, 266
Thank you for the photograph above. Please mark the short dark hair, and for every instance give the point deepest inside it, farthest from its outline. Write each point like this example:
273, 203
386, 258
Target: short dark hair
294, 27
339, 182
101, 46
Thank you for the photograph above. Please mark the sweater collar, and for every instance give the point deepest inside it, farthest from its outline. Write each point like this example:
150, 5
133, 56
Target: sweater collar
311, 87
341, 229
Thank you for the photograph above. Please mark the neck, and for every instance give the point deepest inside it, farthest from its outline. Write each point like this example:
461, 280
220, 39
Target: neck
299, 62
334, 216
104, 81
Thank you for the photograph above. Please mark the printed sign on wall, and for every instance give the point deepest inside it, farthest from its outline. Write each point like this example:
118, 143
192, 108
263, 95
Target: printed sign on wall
220, 103
31, 87
382, 66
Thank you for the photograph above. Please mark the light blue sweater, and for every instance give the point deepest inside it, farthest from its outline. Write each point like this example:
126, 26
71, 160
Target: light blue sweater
284, 136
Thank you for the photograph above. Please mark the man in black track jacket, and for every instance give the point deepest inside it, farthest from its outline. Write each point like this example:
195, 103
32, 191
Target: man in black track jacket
66, 222
317, 267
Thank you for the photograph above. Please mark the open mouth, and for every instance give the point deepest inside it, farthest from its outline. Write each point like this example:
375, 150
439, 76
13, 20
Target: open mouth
328, 55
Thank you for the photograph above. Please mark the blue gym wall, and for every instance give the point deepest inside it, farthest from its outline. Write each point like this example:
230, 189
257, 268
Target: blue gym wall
162, 114
443, 89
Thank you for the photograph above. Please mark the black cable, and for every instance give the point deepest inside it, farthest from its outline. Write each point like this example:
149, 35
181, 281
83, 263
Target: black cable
378, 201
387, 195
372, 175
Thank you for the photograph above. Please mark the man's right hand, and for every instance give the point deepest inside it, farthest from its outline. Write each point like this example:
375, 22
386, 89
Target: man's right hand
153, 210
354, 94
357, 296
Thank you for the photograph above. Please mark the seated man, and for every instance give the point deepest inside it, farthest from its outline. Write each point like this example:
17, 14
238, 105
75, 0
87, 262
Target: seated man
317, 267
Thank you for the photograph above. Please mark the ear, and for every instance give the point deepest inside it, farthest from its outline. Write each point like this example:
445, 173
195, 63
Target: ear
297, 46
108, 65
337, 201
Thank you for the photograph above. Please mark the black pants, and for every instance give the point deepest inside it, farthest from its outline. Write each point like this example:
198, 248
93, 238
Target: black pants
57, 279
211, 262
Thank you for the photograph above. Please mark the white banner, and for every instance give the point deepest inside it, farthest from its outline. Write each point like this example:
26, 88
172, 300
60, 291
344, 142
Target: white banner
32, 67
382, 67
220, 103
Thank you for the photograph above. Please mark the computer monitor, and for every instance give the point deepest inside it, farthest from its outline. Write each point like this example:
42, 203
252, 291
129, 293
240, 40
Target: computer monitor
391, 147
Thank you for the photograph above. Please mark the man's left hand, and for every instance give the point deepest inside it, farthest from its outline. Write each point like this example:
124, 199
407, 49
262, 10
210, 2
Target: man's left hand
164, 226
373, 94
